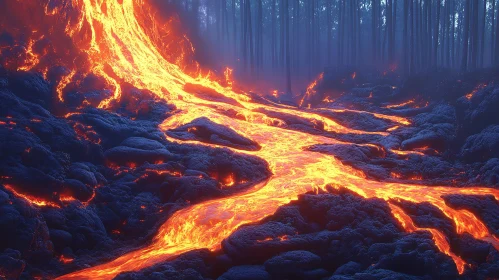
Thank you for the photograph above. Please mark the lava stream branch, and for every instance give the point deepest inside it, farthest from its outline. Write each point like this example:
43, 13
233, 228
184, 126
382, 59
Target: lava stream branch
296, 171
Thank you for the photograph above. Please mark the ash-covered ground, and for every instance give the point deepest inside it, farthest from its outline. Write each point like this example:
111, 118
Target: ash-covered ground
80, 186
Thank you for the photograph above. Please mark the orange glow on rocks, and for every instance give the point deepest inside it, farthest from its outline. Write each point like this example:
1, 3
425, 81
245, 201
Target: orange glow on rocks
406, 103
31, 199
32, 59
229, 181
405, 153
65, 80
65, 260
393, 128
475, 90
86, 132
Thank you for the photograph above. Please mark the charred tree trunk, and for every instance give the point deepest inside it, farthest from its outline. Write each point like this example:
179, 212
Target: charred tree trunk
259, 36
466, 28
234, 30
492, 23
394, 33
452, 52
496, 48
273, 36
411, 13
389, 29
288, 57
329, 31
492, 29
297, 43
435, 34
429, 35
482, 33
281, 32
474, 35
308, 31
250, 37
459, 43
443, 26
418, 31
385, 38
374, 24
405, 53
244, 31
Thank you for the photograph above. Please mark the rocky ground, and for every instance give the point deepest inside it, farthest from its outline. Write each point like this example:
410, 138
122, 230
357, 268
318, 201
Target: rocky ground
80, 185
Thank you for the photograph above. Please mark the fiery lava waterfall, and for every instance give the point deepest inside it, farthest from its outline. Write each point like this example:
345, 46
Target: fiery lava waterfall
116, 42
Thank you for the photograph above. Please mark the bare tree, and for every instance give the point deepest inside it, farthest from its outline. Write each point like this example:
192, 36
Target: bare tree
466, 29
288, 56
492, 23
273, 48
436, 33
496, 48
404, 37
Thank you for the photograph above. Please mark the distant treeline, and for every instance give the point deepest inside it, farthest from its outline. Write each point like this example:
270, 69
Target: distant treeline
304, 36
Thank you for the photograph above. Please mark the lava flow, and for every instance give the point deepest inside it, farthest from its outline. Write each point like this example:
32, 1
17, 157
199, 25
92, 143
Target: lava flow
121, 50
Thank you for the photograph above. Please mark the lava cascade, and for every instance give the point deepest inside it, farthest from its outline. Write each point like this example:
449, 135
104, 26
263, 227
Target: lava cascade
116, 42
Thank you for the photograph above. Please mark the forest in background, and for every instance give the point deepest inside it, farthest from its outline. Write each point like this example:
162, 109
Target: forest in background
297, 39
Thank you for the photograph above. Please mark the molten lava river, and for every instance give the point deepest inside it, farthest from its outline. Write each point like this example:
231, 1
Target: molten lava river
120, 48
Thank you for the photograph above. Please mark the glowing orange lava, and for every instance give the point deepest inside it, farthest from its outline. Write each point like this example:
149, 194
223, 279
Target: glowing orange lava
406, 103
120, 48
475, 90
439, 238
311, 88
65, 260
31, 199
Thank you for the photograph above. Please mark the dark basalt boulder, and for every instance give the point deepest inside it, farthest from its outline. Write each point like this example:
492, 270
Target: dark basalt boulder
123, 155
60, 238
349, 268
360, 121
142, 143
32, 87
137, 151
294, 122
246, 272
479, 111
437, 136
27, 233
375, 274
440, 113
190, 188
31, 124
112, 129
482, 146
194, 265
488, 174
11, 264
293, 264
87, 173
433, 129
204, 130
258, 242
